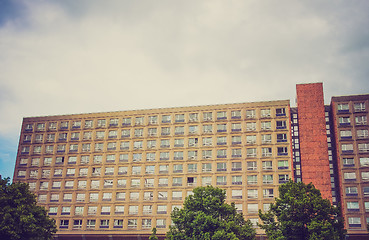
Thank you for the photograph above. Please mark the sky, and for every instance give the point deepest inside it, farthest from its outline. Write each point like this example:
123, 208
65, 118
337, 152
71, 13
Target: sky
80, 56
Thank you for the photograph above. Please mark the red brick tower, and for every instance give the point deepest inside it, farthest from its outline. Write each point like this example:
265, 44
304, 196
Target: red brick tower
313, 137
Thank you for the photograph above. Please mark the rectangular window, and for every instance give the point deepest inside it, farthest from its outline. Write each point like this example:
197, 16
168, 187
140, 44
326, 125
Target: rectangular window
250, 114
349, 176
359, 107
153, 120
236, 194
360, 120
280, 112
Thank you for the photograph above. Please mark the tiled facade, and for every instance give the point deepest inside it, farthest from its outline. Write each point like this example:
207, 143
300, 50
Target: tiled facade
122, 173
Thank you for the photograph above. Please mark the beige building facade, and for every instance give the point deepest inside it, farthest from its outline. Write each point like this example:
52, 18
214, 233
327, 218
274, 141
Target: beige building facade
122, 173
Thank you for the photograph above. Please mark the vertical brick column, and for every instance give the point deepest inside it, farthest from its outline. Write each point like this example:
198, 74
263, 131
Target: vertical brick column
313, 137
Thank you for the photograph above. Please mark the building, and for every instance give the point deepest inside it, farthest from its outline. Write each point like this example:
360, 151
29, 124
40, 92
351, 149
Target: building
119, 174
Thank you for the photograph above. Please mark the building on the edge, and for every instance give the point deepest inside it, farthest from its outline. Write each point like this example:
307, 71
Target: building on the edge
116, 175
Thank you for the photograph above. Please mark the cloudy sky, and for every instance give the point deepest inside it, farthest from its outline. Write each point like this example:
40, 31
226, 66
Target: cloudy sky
78, 56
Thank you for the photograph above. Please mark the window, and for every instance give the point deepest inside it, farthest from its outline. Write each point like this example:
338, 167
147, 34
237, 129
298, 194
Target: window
347, 148
283, 178
120, 196
236, 114
267, 165
222, 140
179, 118
365, 176
208, 128
91, 223
364, 162
266, 138
67, 197
207, 141
54, 198
252, 207
53, 210
162, 209
139, 121
354, 222
137, 157
150, 156
266, 152
177, 181
280, 112
56, 184
362, 133
221, 167
179, 130
99, 147
192, 155
64, 125
221, 115
207, 116
191, 181
282, 151
177, 168
222, 127
126, 122
221, 180
268, 179
206, 181
359, 107
349, 176
64, 223
163, 182
237, 140
148, 195
164, 143
134, 196
251, 152
360, 120
113, 122
267, 125
113, 134
135, 183
252, 166
88, 124
161, 223
193, 129
363, 147
136, 170
283, 164
252, 193
150, 169
236, 194
87, 135
126, 133
345, 134
193, 117
69, 184
252, 179
162, 195
153, 119
343, 107
164, 155
351, 191
344, 121
101, 123
107, 196
236, 127
165, 119
165, 131
268, 193
236, 153
149, 182
104, 223
237, 180
123, 157
176, 195
250, 114
138, 132
119, 209
118, 223
281, 125
206, 167
78, 210
108, 183
265, 113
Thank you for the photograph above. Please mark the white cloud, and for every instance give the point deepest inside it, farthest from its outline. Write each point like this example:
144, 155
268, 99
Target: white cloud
86, 56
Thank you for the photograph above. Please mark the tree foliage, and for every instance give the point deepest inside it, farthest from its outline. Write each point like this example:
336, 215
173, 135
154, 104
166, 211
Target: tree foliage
153, 235
20, 217
205, 216
301, 213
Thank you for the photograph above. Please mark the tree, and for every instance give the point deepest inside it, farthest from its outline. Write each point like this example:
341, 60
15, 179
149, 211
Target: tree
205, 215
20, 217
301, 213
153, 235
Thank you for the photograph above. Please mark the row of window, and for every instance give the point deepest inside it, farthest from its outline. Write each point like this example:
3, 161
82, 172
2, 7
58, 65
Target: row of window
117, 223
252, 208
100, 135
148, 169
178, 118
345, 107
163, 155
360, 134
352, 176
350, 162
160, 182
346, 121
348, 148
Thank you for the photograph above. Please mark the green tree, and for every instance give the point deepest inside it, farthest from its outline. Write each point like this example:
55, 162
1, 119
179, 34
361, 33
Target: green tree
153, 235
301, 213
205, 215
20, 217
